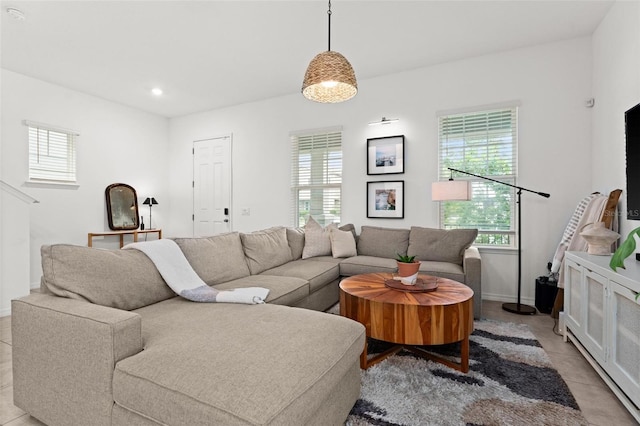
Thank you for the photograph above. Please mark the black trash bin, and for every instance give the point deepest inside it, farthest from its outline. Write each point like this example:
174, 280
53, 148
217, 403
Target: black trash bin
546, 291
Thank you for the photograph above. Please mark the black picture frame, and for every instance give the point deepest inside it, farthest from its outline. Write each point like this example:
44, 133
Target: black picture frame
385, 156
385, 199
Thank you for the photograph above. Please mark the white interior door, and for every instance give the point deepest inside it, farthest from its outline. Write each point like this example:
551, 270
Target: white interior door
212, 186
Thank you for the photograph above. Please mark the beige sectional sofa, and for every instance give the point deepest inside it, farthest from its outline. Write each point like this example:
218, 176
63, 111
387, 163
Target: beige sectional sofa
107, 342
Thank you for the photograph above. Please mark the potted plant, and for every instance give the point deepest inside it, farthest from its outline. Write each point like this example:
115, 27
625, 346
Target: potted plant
625, 250
407, 265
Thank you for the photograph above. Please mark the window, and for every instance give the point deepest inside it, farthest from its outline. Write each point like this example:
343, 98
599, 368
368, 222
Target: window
482, 143
316, 176
52, 154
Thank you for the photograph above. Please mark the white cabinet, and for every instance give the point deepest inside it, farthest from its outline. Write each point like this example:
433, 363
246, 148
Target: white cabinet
602, 318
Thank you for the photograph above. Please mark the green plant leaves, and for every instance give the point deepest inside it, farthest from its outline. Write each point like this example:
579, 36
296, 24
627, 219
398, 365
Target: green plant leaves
405, 258
625, 250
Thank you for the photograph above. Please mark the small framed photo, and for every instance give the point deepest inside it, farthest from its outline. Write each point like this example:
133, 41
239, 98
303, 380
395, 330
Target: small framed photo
385, 199
385, 156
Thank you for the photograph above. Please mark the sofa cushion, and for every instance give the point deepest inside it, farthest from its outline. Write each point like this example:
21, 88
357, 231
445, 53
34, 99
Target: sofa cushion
367, 264
318, 274
343, 243
295, 238
215, 259
316, 239
122, 279
383, 242
443, 269
440, 245
282, 290
228, 364
266, 249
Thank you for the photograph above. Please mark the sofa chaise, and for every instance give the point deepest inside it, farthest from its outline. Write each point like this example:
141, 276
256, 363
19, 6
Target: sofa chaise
107, 342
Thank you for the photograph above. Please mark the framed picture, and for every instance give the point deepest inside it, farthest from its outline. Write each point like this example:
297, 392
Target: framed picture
385, 156
385, 199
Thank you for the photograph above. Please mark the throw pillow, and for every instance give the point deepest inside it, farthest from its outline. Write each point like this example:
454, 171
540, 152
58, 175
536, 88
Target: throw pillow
342, 243
266, 249
316, 239
440, 245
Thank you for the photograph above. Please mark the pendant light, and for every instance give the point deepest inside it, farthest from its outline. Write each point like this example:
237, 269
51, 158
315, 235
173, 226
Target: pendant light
329, 77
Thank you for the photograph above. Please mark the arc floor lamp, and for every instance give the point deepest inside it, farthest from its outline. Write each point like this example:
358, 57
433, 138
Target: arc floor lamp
459, 190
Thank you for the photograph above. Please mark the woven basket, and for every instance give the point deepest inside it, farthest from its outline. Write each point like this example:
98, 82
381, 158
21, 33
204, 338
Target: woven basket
329, 79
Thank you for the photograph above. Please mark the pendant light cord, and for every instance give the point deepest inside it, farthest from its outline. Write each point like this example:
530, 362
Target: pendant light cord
329, 14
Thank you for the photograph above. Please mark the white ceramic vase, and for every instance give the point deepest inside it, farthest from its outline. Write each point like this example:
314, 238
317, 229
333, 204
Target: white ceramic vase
599, 238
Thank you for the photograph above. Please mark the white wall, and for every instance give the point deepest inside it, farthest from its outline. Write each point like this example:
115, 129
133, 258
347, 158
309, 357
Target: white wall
14, 245
551, 81
116, 144
616, 88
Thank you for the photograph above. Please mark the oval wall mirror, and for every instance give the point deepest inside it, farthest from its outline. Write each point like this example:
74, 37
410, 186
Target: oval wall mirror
122, 207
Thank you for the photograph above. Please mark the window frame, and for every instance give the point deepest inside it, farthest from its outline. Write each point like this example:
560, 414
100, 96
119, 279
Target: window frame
65, 162
322, 173
494, 150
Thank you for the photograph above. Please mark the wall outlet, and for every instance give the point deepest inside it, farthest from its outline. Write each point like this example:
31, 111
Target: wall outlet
246, 212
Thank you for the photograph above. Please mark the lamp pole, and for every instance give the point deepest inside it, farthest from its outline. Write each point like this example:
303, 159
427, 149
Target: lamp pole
516, 308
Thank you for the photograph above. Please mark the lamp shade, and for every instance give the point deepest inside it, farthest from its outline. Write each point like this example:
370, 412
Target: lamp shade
150, 201
450, 190
329, 79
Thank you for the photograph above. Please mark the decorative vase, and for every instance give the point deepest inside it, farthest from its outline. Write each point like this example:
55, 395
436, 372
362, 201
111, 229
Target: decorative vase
408, 269
599, 238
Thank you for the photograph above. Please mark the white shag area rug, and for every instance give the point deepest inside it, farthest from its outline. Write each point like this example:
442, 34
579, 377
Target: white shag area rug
511, 381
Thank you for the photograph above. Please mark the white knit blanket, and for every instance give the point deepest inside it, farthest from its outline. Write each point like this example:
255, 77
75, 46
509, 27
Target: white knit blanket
180, 276
589, 211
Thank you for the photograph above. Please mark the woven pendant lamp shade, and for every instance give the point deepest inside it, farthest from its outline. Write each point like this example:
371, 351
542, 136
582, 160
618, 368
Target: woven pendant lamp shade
329, 79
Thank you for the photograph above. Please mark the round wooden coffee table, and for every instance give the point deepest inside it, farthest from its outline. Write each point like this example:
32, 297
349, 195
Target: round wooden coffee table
410, 318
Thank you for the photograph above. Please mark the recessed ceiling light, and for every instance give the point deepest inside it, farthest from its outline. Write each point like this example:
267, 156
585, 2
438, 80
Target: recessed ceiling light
16, 13
156, 91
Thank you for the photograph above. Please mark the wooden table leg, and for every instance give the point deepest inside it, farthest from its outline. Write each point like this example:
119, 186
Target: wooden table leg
463, 366
363, 356
464, 355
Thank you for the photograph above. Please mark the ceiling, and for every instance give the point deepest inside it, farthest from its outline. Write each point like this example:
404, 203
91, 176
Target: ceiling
211, 54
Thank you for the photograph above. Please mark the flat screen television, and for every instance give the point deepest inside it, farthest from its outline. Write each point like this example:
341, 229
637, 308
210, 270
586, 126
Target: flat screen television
632, 133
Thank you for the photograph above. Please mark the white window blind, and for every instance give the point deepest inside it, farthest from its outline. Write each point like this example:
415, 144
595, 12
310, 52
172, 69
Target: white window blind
316, 176
52, 153
484, 143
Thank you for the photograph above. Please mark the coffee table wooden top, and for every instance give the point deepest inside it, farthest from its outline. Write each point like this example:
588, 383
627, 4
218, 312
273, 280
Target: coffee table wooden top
433, 318
372, 287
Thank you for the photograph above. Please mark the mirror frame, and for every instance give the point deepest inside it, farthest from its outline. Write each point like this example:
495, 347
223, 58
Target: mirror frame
114, 224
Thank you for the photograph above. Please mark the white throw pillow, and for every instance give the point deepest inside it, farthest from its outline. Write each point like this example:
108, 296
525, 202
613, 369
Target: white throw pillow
342, 243
316, 239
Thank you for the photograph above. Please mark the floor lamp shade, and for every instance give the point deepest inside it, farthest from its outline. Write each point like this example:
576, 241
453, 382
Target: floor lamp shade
450, 190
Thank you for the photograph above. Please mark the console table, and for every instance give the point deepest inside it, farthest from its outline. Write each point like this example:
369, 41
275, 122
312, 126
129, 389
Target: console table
602, 319
121, 234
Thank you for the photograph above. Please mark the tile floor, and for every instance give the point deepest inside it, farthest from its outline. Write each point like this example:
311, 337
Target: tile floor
598, 404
